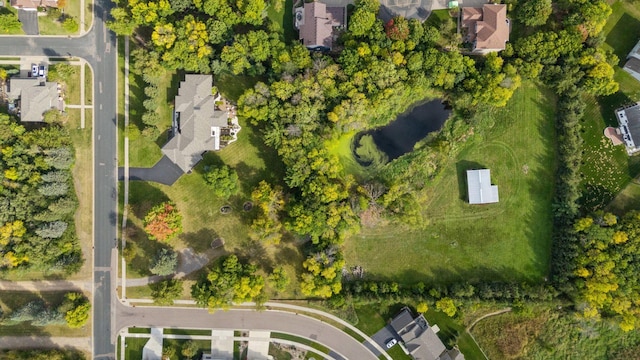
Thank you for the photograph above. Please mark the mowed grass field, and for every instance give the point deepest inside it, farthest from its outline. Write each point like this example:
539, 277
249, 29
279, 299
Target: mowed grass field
509, 240
607, 169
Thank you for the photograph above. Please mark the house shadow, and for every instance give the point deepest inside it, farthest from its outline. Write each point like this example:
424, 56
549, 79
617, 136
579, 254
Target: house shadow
461, 170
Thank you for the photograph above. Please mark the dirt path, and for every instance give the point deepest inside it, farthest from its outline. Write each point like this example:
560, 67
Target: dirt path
505, 310
44, 285
42, 342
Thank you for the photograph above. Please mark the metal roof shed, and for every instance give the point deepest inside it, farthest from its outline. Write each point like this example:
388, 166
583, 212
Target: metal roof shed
479, 187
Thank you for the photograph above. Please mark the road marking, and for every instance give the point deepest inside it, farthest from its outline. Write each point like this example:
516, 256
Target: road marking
99, 136
101, 164
100, 106
100, 85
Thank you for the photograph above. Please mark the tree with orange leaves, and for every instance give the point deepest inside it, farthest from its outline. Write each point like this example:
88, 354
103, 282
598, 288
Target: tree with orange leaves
163, 222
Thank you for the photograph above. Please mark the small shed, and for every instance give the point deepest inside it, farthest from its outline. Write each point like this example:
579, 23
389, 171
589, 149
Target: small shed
479, 187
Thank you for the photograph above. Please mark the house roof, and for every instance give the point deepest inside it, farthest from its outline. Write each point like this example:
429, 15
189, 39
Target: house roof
488, 26
33, 4
629, 120
316, 26
479, 187
36, 97
198, 122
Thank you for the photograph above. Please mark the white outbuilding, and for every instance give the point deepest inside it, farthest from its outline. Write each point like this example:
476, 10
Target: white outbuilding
480, 189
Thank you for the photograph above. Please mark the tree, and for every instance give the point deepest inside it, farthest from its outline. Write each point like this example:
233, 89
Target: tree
9, 23
223, 180
164, 292
70, 25
447, 306
76, 309
163, 222
269, 202
229, 282
533, 12
422, 307
52, 230
279, 279
165, 262
397, 29
189, 349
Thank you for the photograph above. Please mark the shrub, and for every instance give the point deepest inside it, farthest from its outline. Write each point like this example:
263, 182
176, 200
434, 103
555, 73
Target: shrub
165, 262
223, 180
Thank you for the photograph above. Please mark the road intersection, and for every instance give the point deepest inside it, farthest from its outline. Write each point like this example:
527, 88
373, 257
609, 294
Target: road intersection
98, 48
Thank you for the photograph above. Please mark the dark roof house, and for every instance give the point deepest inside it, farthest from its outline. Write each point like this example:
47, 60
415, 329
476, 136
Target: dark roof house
629, 127
487, 27
316, 22
32, 97
479, 187
197, 123
420, 339
632, 66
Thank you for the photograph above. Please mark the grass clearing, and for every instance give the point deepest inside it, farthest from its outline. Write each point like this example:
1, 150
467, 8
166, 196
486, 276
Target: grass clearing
509, 240
552, 334
626, 200
133, 348
187, 332
72, 87
281, 15
88, 85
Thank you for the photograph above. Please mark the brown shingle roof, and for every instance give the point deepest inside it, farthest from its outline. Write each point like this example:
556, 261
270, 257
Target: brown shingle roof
33, 4
318, 22
488, 26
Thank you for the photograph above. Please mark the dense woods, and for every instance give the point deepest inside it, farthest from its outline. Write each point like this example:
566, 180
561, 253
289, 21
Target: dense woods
37, 199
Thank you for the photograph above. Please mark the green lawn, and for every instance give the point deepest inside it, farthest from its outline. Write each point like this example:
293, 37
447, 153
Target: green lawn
627, 199
14, 12
505, 241
607, 169
203, 347
133, 348
280, 12
551, 334
88, 85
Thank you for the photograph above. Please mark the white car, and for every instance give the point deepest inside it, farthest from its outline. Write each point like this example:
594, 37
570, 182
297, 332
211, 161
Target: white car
391, 342
34, 70
42, 70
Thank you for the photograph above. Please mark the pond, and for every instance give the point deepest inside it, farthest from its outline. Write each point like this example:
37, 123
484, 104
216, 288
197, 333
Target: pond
401, 135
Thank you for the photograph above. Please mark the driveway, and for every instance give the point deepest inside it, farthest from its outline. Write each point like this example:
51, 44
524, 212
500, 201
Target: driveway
381, 338
29, 20
163, 172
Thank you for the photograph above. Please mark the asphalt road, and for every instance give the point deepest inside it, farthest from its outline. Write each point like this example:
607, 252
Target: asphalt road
337, 341
98, 47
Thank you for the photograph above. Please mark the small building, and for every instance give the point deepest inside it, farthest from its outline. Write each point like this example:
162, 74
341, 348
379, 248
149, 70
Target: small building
33, 5
419, 339
632, 66
317, 24
487, 28
415, 9
629, 127
479, 187
199, 125
30, 98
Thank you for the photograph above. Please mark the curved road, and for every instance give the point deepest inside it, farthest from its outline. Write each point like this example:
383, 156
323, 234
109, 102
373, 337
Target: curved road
98, 47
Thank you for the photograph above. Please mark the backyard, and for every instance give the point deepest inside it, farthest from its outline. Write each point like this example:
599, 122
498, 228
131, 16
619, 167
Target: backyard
509, 240
607, 169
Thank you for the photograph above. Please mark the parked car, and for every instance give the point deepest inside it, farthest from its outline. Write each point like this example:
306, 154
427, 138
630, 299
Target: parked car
34, 70
391, 342
42, 70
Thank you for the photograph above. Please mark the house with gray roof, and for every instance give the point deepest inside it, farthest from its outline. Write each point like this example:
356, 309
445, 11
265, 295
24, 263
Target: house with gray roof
32, 97
629, 127
199, 125
316, 23
632, 66
479, 187
419, 339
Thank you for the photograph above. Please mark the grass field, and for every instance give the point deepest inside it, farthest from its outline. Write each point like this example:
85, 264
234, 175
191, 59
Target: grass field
553, 334
607, 169
509, 240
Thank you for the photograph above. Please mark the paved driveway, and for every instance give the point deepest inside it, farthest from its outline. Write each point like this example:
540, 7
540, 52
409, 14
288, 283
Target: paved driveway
381, 337
163, 172
29, 20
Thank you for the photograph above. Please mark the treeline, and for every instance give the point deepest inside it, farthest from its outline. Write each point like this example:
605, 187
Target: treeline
37, 199
43, 354
74, 311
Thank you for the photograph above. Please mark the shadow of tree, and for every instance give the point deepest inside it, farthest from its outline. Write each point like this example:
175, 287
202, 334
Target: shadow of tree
143, 196
461, 169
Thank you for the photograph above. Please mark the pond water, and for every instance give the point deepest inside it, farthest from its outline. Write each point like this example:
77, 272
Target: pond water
402, 134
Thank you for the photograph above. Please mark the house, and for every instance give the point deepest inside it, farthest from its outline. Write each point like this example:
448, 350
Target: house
32, 97
316, 23
629, 127
487, 28
419, 339
199, 125
33, 5
632, 66
415, 9
479, 187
